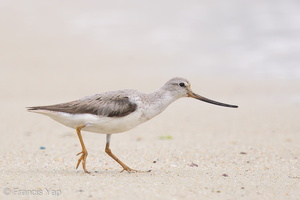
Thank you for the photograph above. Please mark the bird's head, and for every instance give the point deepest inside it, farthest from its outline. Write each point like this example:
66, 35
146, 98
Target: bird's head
181, 87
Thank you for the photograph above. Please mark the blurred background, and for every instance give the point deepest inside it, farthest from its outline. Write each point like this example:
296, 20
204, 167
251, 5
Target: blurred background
50, 48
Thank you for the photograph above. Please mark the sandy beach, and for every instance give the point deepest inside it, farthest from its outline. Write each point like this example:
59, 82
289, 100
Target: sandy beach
194, 150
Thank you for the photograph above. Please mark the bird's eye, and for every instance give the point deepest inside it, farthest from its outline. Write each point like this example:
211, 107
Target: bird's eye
181, 84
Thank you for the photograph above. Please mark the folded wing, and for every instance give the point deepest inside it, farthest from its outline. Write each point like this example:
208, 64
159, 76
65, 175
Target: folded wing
109, 105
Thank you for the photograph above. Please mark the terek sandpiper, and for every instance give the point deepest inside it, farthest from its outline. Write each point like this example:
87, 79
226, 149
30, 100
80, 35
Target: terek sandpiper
117, 111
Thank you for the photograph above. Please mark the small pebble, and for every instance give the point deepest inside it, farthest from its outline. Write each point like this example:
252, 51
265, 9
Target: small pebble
225, 175
193, 165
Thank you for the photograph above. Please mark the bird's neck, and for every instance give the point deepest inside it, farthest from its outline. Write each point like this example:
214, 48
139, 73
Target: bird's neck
158, 101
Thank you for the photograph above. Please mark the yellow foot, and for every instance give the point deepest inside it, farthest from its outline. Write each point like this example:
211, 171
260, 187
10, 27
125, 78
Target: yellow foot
129, 170
83, 159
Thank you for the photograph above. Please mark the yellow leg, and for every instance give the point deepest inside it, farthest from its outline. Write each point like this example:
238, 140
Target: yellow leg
108, 151
83, 152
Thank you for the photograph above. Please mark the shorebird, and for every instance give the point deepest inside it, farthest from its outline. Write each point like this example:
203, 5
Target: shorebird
117, 111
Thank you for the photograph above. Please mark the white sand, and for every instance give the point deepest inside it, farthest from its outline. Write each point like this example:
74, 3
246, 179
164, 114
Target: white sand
251, 152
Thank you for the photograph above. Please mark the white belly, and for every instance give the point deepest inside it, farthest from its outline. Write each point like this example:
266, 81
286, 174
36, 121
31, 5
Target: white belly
98, 124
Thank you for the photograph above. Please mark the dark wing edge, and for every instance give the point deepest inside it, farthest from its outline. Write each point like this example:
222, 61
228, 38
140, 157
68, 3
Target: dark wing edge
118, 106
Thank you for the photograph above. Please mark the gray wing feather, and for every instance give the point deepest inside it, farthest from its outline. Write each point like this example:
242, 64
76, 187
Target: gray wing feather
109, 105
